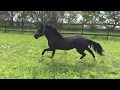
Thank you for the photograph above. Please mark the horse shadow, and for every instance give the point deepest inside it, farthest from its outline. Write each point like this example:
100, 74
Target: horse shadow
81, 70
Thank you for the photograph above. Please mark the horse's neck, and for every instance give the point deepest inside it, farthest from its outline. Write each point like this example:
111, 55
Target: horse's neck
54, 37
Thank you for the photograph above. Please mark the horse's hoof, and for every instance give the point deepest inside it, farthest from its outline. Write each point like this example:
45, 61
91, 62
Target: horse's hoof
42, 53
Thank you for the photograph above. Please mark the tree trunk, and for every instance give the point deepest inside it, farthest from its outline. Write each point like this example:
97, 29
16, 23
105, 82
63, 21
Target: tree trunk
11, 19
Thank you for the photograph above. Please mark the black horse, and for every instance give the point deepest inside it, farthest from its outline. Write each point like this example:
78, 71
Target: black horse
57, 41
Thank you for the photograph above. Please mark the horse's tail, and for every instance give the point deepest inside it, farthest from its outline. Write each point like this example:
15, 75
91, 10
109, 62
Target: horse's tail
96, 46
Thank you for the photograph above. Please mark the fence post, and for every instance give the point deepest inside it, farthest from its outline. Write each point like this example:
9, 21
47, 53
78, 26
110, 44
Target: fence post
22, 25
82, 29
5, 26
108, 33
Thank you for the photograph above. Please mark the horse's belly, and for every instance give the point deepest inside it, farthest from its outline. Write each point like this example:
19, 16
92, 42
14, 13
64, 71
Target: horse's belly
65, 46
61, 45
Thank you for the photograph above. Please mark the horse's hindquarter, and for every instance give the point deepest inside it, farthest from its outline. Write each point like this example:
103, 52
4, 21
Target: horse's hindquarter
78, 41
72, 42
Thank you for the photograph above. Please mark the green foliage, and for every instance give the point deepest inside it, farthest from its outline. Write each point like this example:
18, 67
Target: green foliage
72, 17
20, 57
112, 17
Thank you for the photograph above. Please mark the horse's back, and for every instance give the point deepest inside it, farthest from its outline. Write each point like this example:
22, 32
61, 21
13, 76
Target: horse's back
76, 37
78, 41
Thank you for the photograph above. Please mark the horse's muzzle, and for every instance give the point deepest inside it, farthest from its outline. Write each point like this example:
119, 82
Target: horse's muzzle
36, 36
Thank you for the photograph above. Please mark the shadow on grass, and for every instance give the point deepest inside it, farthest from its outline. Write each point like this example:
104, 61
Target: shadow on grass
62, 69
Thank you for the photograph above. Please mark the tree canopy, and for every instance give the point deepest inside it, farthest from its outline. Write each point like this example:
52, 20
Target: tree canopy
111, 17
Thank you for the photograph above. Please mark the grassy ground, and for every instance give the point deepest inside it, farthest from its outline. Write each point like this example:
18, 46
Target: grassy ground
20, 57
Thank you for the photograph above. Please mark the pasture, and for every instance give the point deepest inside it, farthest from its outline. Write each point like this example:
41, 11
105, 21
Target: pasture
20, 58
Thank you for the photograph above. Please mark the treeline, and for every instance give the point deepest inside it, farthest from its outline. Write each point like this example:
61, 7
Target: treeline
91, 17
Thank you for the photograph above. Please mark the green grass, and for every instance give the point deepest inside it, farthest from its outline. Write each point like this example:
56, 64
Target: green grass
20, 57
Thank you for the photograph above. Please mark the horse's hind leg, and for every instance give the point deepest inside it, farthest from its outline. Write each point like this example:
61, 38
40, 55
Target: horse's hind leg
83, 54
81, 51
90, 51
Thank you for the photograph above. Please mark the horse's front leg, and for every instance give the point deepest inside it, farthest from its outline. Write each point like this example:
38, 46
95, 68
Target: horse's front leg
49, 49
53, 52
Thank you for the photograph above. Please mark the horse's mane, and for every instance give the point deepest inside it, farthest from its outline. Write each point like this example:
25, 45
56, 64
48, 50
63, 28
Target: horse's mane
54, 29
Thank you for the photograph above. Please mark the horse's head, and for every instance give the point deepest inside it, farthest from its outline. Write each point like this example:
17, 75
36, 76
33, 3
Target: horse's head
40, 31
45, 28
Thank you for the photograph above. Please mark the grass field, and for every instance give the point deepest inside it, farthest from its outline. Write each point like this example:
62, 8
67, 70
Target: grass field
20, 58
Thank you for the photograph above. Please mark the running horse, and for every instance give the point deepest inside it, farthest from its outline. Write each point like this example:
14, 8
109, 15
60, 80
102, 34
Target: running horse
58, 42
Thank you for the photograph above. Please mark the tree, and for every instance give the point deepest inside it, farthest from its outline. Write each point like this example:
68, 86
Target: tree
90, 17
71, 16
112, 17
11, 15
2, 15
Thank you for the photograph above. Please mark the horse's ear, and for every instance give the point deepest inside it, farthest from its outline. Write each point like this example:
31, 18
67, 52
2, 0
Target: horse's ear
49, 25
56, 26
59, 26
41, 24
37, 24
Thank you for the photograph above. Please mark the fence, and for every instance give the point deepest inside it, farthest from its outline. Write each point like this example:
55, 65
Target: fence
84, 29
17, 26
